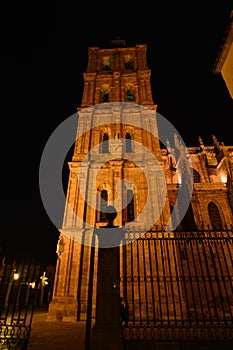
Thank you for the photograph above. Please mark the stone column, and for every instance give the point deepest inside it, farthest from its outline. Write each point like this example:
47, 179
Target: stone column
106, 333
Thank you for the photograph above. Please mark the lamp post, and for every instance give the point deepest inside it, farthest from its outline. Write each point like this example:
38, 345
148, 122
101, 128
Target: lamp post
106, 333
43, 284
13, 278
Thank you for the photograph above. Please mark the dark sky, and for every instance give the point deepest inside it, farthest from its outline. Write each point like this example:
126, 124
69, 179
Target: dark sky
43, 57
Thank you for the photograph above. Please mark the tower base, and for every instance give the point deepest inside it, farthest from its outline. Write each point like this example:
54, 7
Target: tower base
63, 310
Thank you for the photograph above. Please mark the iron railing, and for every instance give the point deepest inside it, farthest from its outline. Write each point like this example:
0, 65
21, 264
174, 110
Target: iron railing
178, 286
19, 280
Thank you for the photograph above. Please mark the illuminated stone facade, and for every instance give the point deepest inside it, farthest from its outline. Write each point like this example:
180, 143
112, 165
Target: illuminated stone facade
117, 89
224, 61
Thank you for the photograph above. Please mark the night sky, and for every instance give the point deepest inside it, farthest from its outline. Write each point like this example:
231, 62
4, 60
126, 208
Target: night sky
43, 57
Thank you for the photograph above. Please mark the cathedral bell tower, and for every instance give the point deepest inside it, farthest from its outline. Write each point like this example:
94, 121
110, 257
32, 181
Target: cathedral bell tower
117, 139
118, 74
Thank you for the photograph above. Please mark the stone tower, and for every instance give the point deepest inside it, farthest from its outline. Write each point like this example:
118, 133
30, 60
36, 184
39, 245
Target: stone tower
118, 139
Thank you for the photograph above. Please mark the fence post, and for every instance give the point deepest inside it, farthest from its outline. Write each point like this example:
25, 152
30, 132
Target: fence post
107, 330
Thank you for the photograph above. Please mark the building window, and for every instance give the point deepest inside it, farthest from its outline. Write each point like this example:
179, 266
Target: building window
105, 96
106, 65
214, 215
130, 206
105, 144
196, 176
172, 163
103, 204
129, 65
173, 217
188, 223
128, 142
129, 95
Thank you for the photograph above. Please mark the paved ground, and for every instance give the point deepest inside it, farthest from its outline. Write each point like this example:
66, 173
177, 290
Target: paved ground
47, 335
55, 336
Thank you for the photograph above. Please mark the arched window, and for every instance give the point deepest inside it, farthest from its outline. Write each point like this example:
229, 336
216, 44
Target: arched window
214, 215
173, 217
172, 163
129, 95
196, 176
128, 142
188, 223
130, 206
103, 204
106, 65
105, 144
129, 65
105, 96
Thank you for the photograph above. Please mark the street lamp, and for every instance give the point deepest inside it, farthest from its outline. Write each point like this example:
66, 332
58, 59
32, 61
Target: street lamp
44, 282
15, 276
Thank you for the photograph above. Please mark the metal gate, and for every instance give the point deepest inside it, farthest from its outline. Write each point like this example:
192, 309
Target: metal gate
19, 280
177, 287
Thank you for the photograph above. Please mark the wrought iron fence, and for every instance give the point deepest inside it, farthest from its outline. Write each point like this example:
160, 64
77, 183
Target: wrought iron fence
178, 286
19, 280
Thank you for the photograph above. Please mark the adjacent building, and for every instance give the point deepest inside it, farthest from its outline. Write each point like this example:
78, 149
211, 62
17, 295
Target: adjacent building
224, 60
